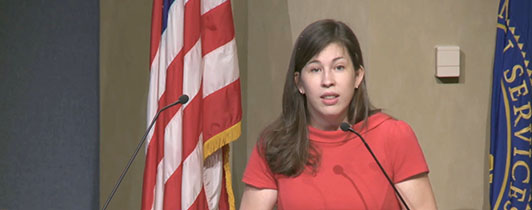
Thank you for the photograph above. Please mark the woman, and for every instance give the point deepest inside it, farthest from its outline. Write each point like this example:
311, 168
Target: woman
303, 160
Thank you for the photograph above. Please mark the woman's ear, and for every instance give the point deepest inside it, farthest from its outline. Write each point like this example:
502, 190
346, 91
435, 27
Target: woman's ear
359, 76
298, 83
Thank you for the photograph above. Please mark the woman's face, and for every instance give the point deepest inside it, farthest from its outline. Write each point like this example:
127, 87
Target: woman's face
328, 82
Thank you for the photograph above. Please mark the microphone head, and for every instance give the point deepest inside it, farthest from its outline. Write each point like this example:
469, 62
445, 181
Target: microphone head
345, 126
183, 99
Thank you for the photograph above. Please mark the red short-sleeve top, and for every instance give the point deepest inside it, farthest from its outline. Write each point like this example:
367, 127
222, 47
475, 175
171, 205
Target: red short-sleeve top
347, 177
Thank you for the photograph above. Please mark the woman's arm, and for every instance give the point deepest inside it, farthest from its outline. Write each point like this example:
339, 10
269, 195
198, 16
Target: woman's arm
255, 198
417, 192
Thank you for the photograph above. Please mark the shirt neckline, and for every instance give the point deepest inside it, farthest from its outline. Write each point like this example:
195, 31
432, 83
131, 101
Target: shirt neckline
339, 135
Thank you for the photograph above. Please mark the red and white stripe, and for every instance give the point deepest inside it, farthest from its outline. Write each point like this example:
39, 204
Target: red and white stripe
194, 55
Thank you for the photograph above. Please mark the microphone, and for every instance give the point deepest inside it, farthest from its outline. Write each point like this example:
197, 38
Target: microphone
346, 127
182, 100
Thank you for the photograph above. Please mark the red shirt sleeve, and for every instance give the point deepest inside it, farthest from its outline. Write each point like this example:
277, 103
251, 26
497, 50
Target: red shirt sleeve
408, 159
258, 173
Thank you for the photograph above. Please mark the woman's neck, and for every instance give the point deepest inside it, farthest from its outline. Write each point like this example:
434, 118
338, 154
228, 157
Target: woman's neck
327, 123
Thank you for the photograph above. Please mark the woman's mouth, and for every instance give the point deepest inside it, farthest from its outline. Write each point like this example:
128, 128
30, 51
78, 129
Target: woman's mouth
329, 99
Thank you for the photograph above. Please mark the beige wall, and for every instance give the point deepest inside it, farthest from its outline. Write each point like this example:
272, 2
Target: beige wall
451, 118
124, 57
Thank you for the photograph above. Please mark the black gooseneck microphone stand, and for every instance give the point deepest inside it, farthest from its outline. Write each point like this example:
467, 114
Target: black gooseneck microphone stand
182, 100
346, 127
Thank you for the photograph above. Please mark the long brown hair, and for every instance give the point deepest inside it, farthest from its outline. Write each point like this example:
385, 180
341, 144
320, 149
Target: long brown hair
284, 143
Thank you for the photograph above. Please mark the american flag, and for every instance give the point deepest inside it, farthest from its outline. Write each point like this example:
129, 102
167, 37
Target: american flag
193, 52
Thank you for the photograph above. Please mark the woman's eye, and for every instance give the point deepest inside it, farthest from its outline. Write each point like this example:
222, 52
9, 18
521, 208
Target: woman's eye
340, 68
315, 69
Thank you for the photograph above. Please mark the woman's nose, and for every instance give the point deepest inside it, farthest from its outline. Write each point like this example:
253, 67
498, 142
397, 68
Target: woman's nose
327, 79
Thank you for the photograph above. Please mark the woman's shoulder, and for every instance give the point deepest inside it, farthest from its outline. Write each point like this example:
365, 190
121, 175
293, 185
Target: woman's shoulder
384, 121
